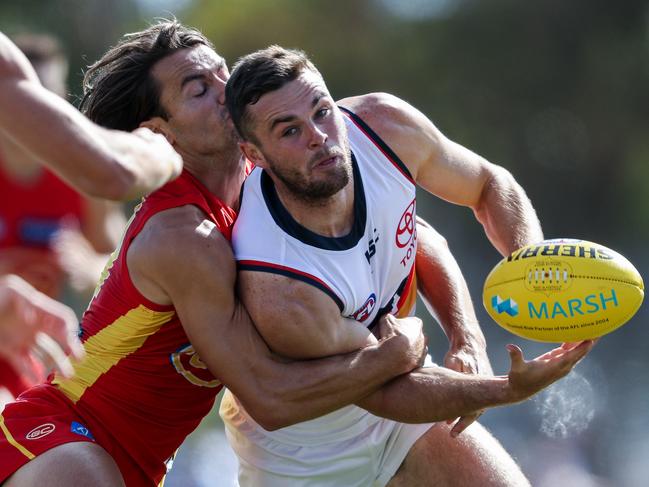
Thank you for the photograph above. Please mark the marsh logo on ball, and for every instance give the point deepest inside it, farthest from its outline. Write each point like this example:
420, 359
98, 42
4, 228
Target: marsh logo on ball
406, 227
501, 305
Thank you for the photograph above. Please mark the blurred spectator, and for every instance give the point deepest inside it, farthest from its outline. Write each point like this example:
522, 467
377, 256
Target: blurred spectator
48, 231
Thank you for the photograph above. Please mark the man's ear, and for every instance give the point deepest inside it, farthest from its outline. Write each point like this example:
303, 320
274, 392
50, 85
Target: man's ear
252, 153
159, 126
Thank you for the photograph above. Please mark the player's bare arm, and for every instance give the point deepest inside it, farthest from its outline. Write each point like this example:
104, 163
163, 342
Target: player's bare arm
100, 162
437, 393
444, 291
451, 171
197, 274
296, 319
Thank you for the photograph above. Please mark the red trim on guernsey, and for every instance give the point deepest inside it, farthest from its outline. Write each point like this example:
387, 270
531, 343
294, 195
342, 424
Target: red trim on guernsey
378, 146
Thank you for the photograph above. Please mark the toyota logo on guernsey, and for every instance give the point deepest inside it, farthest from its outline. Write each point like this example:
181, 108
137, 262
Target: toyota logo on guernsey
501, 306
40, 431
406, 227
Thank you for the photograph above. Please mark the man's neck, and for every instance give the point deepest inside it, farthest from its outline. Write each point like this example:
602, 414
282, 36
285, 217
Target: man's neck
222, 176
333, 217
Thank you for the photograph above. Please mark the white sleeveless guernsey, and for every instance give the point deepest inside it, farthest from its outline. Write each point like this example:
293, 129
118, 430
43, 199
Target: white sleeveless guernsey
368, 273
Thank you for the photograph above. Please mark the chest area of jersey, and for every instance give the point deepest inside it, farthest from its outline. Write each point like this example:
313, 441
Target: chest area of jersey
388, 263
370, 278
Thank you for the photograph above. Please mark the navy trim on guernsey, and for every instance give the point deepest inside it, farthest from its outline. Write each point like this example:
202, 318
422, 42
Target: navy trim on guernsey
385, 148
250, 265
286, 222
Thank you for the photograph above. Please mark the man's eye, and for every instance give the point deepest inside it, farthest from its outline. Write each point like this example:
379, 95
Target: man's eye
289, 131
201, 92
323, 112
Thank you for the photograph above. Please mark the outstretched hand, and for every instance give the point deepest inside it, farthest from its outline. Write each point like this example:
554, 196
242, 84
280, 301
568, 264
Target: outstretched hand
34, 327
526, 378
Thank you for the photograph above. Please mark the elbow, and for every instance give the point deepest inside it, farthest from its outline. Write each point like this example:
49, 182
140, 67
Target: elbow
497, 181
276, 405
430, 242
271, 414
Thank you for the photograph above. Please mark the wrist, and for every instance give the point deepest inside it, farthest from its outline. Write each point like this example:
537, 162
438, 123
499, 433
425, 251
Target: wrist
468, 337
396, 351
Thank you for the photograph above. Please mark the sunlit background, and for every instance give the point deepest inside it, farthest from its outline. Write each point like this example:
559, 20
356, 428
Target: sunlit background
555, 91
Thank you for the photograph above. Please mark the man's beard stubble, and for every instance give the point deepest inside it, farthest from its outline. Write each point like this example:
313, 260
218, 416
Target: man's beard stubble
317, 192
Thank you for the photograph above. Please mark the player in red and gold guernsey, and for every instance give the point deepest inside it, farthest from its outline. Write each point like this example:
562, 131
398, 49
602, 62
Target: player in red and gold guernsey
132, 390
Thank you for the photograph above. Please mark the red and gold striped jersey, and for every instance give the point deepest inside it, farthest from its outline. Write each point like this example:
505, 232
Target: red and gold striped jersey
140, 378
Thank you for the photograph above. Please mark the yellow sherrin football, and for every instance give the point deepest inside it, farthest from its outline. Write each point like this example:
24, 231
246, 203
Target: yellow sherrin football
563, 290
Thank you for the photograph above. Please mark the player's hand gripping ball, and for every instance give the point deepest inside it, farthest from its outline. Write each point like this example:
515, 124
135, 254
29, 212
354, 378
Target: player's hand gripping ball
563, 290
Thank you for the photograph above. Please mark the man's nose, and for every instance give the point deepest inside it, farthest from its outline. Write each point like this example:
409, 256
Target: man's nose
317, 136
220, 90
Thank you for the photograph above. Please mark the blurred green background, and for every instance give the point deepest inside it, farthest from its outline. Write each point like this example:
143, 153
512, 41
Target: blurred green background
557, 92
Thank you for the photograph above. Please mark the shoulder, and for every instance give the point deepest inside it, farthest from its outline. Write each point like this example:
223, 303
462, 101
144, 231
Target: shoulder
404, 128
383, 112
177, 242
365, 105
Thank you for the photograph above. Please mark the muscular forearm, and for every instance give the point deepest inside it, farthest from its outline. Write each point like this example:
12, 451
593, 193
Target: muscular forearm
63, 139
436, 394
299, 391
507, 214
444, 290
99, 162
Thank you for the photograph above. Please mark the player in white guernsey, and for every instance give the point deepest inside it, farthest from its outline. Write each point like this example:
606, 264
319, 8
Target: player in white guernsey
326, 242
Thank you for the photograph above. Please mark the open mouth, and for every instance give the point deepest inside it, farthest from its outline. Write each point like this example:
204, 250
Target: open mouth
326, 162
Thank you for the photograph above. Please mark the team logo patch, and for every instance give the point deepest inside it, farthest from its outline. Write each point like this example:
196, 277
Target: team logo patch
80, 429
501, 306
364, 312
40, 431
191, 367
406, 227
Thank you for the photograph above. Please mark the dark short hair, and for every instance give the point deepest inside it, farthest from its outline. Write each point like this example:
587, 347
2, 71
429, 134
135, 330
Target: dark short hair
119, 89
259, 73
